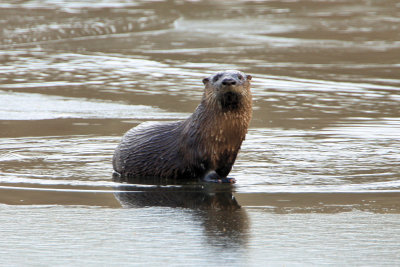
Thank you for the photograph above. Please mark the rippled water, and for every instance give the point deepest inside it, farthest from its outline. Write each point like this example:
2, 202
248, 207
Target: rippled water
318, 174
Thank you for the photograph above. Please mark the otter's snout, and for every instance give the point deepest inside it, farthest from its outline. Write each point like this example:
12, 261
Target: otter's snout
228, 81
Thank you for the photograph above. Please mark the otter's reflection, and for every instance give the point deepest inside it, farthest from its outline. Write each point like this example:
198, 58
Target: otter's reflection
140, 192
212, 204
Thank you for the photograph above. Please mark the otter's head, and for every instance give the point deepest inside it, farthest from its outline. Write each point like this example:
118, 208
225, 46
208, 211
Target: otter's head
230, 90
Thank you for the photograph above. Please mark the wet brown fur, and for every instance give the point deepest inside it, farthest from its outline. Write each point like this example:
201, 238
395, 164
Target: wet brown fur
208, 140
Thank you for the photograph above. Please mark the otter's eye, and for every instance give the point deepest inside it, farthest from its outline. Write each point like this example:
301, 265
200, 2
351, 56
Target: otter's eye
216, 77
240, 77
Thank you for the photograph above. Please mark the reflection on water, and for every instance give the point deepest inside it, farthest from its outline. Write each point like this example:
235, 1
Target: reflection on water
194, 195
318, 174
213, 205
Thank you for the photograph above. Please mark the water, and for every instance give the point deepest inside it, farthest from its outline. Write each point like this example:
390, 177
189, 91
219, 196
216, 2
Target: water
318, 176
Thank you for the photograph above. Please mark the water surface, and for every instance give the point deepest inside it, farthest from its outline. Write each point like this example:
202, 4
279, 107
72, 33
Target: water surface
318, 174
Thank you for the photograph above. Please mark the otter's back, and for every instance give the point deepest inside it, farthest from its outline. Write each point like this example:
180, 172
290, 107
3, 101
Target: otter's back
146, 150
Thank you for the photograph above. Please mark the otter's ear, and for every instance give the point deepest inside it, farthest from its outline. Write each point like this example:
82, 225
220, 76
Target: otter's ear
249, 77
206, 80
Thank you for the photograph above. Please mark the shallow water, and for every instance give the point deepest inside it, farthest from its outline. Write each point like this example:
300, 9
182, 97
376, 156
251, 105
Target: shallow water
318, 176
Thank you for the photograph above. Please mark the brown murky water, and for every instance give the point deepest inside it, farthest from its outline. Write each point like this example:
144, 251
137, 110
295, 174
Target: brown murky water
318, 175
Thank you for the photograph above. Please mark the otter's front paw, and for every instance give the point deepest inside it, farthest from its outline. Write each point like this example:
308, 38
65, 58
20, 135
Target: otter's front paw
227, 180
213, 177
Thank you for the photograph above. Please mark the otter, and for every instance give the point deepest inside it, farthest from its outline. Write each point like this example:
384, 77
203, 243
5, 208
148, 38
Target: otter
204, 146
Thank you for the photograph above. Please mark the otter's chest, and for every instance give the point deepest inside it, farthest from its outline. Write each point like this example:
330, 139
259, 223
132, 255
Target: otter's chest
224, 143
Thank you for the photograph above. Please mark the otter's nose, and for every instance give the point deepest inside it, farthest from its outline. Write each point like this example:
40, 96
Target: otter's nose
228, 81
